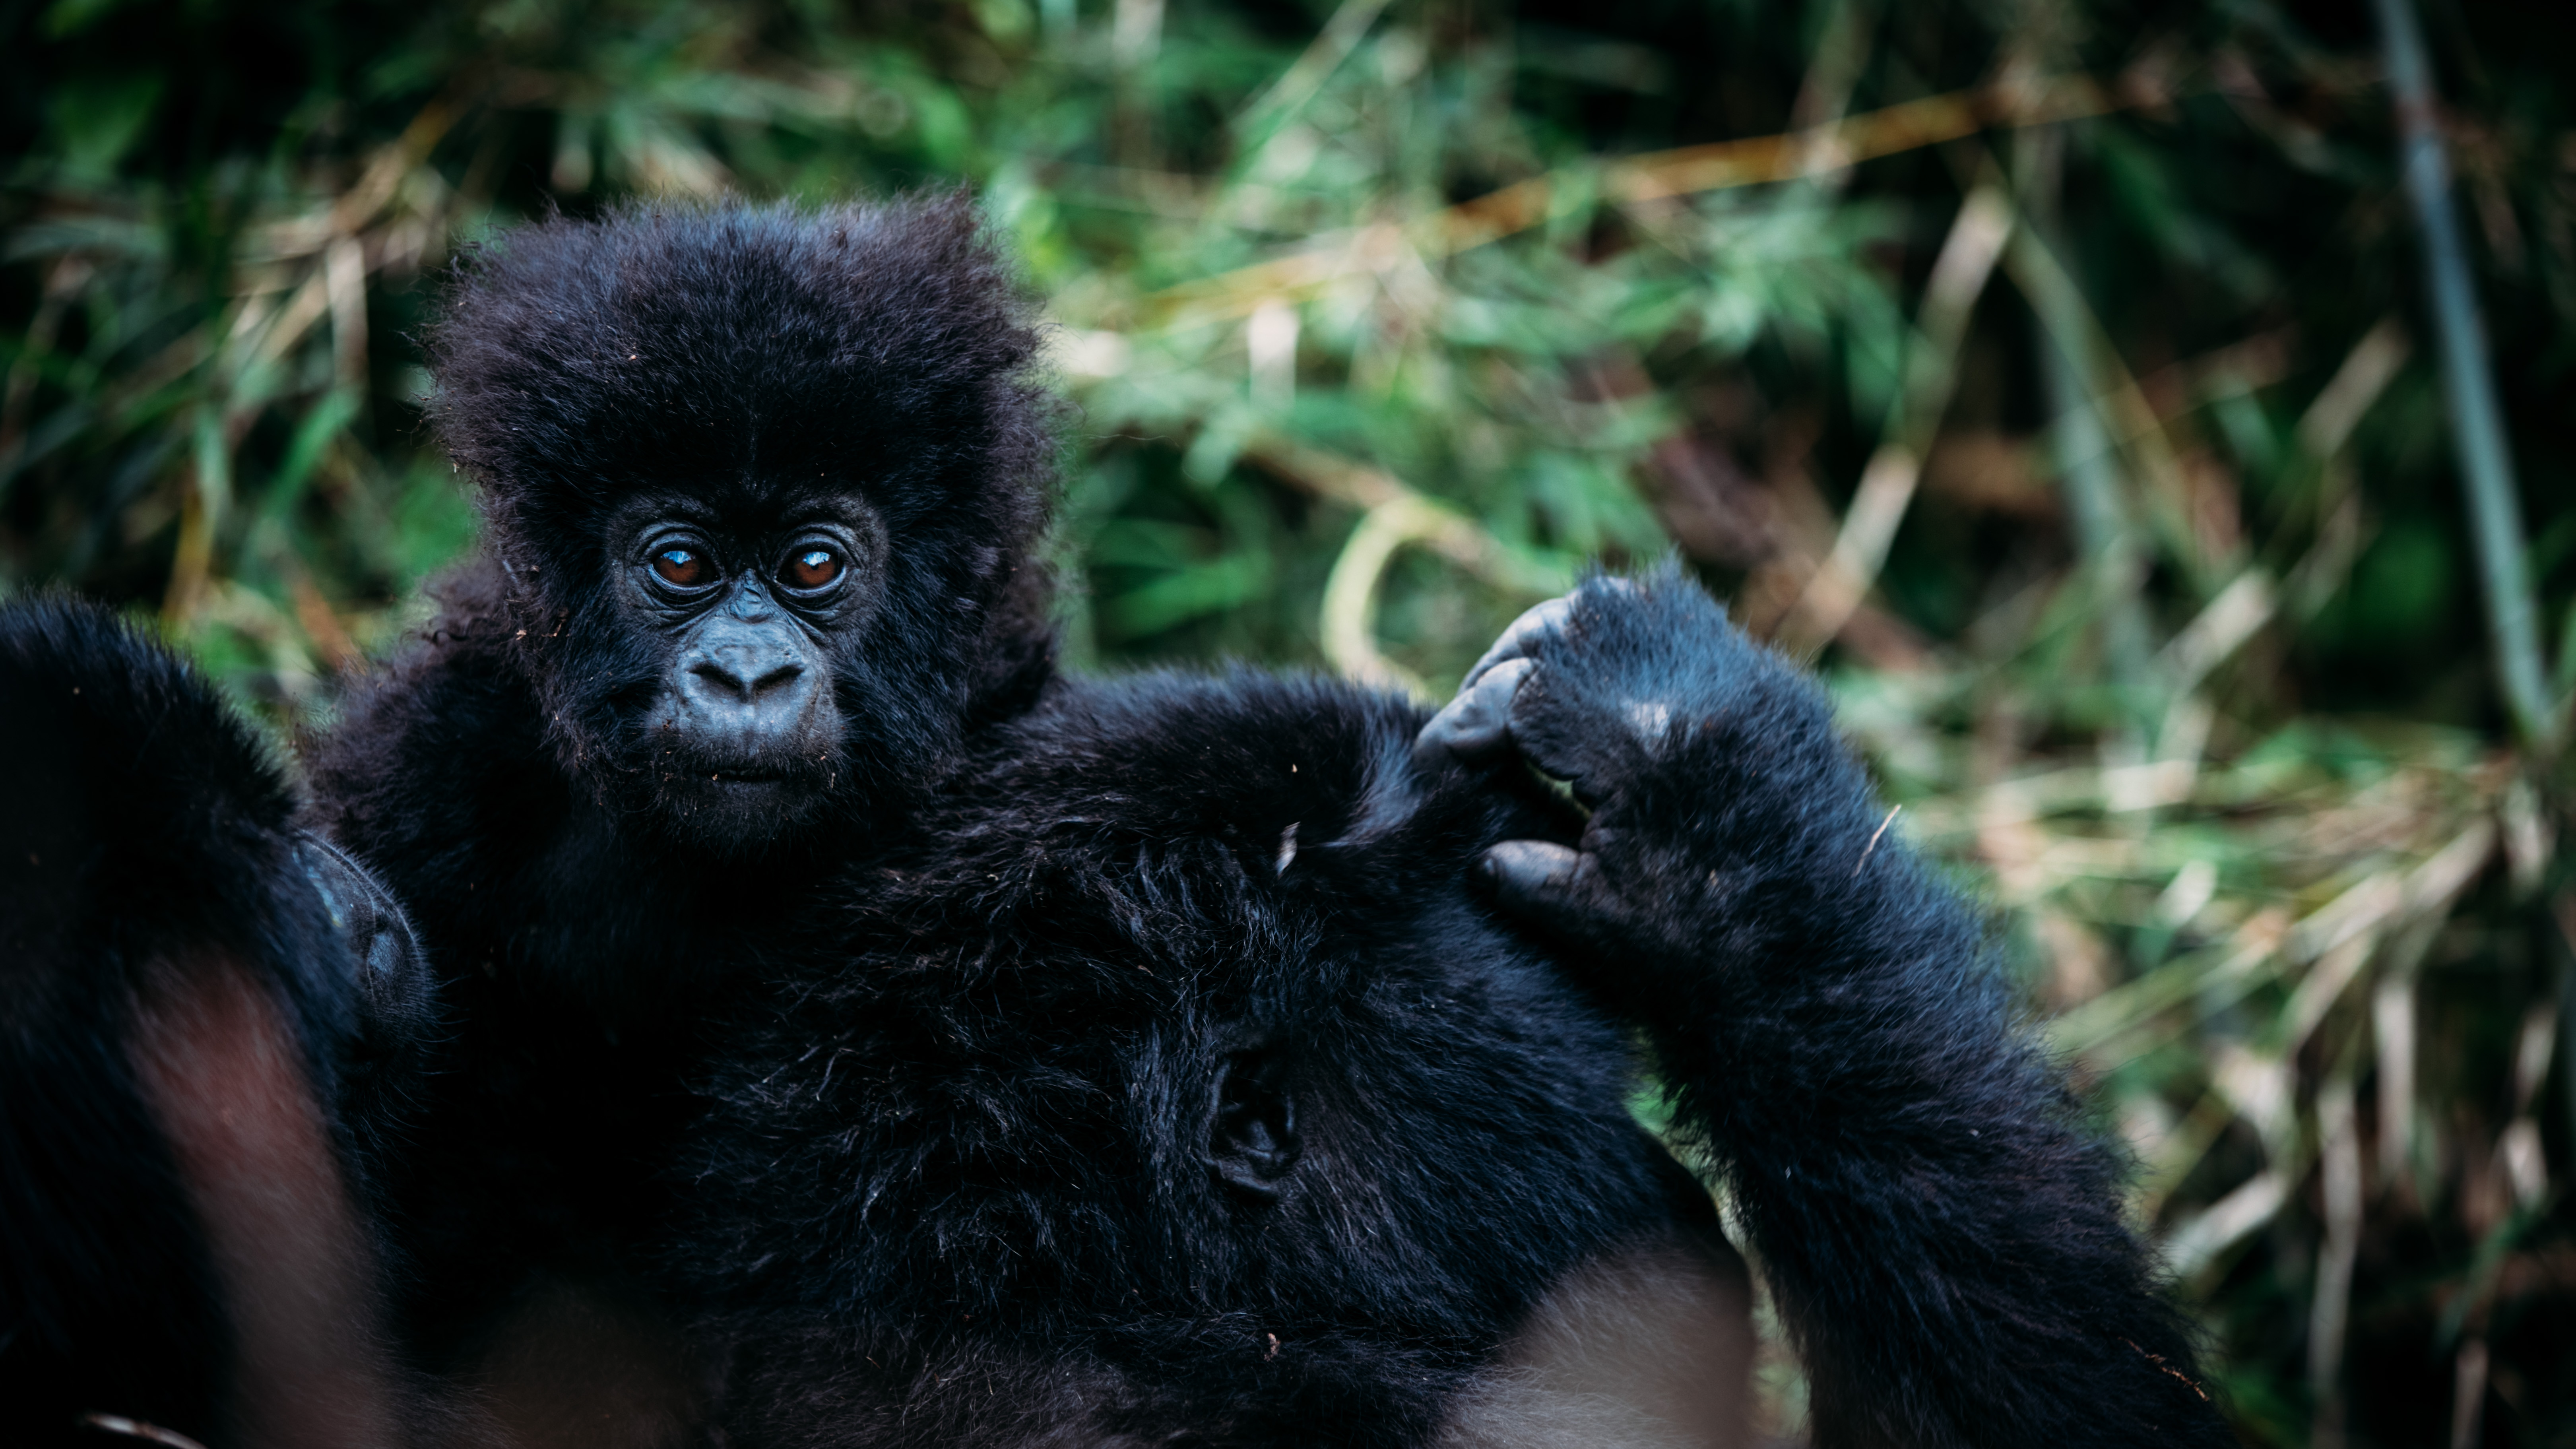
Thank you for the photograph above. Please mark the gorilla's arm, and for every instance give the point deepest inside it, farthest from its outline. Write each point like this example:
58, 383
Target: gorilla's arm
205, 1020
1945, 1236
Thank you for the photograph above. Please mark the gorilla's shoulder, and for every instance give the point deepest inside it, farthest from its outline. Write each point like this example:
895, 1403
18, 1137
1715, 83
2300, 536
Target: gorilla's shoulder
127, 722
432, 738
140, 806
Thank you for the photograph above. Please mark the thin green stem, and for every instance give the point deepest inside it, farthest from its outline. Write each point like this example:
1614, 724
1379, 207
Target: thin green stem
2468, 384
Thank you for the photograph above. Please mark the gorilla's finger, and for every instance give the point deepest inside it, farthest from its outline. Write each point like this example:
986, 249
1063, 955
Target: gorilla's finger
1548, 885
1519, 634
1477, 722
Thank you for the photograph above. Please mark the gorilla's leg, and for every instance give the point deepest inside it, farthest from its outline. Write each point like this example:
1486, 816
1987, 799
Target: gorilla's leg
189, 993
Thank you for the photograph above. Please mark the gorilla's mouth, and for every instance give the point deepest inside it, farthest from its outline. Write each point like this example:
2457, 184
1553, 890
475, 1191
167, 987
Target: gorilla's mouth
709, 780
735, 805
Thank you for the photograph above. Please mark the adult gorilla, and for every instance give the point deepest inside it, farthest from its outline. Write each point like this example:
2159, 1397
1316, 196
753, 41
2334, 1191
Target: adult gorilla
1333, 1150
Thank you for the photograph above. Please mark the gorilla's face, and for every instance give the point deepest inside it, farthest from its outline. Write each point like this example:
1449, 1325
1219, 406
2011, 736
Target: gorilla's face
746, 613
764, 484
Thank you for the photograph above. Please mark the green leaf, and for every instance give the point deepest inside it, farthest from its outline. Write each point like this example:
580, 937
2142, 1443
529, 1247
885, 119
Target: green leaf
97, 120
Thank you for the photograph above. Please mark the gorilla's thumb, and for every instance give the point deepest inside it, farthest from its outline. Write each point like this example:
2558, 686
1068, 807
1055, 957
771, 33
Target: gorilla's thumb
1477, 722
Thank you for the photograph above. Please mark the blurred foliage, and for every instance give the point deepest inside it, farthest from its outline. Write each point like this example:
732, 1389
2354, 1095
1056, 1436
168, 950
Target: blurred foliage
2047, 368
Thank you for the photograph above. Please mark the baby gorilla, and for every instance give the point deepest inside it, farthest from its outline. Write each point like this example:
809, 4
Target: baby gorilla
760, 487
1187, 1088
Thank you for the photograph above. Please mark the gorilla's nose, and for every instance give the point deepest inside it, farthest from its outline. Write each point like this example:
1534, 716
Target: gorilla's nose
746, 672
745, 688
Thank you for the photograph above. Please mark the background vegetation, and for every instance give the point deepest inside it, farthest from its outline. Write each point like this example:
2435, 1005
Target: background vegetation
2060, 373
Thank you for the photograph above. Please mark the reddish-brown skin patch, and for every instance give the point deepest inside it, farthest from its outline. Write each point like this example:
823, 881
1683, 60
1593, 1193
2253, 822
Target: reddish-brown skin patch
220, 1067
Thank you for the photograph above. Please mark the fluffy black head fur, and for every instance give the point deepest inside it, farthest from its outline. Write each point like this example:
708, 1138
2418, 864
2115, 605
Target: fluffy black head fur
1177, 1087
751, 358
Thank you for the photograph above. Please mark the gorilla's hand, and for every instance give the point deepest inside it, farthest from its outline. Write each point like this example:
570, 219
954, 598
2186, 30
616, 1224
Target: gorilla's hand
1720, 800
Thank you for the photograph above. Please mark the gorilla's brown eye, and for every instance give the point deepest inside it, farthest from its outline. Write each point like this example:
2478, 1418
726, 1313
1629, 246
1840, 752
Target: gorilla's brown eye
683, 567
809, 569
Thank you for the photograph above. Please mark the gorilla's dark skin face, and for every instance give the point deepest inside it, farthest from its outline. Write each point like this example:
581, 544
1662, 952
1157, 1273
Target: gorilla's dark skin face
751, 605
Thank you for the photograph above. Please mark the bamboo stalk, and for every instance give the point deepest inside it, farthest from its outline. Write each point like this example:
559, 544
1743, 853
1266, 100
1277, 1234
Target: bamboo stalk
2468, 385
1443, 529
1350, 594
2072, 352
2339, 1152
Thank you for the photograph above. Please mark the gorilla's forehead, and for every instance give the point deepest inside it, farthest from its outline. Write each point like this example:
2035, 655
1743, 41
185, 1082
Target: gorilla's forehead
751, 503
718, 470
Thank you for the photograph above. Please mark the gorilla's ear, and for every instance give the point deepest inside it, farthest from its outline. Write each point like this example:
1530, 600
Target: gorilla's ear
1252, 1134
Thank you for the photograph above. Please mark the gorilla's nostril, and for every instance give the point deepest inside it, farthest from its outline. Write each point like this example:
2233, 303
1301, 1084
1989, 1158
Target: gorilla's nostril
722, 678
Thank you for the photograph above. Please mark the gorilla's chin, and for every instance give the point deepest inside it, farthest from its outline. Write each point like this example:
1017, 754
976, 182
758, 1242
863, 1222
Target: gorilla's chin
736, 810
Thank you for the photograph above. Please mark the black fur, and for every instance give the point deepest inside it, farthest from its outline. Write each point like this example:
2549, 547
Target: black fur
979, 1181
506, 776
146, 834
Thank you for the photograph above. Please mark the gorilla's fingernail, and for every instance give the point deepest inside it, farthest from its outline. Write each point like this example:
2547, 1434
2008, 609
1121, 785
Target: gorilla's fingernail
1525, 871
1519, 634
